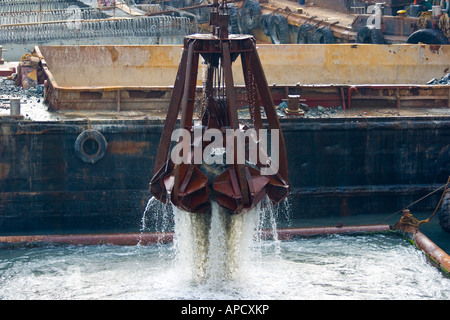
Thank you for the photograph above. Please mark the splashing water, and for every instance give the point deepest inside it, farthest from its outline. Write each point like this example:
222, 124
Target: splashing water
335, 267
222, 256
214, 247
161, 219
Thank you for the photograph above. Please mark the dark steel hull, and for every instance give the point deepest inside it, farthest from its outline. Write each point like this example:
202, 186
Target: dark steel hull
337, 167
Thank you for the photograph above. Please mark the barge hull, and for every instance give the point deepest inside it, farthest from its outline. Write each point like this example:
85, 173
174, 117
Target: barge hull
350, 75
338, 167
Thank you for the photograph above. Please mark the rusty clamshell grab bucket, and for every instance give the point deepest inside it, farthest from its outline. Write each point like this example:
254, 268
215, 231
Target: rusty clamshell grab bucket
240, 186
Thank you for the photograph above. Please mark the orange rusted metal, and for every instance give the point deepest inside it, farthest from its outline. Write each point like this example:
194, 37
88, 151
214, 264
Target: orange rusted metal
241, 185
122, 239
289, 233
433, 252
410, 227
150, 238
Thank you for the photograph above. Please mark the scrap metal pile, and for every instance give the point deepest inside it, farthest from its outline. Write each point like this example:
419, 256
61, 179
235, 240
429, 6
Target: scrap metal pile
161, 26
12, 6
21, 17
445, 80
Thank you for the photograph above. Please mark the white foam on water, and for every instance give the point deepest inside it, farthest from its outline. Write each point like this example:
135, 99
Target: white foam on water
335, 267
222, 256
213, 247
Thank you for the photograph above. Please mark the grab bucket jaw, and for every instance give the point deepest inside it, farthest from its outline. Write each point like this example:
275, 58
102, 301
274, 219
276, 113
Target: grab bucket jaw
239, 186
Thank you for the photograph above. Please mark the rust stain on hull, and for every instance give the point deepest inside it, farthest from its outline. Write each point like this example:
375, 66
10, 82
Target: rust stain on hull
128, 147
114, 53
4, 170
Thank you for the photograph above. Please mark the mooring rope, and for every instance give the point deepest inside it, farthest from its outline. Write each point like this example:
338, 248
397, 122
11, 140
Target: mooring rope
409, 219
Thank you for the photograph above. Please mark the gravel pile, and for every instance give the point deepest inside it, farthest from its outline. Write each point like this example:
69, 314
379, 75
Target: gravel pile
31, 99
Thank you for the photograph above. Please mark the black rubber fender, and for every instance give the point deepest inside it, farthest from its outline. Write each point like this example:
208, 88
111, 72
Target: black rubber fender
266, 23
363, 35
377, 36
251, 14
279, 33
323, 35
243, 29
306, 33
444, 213
234, 18
370, 34
90, 146
427, 36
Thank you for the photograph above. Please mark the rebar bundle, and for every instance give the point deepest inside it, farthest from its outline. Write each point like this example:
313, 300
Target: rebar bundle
50, 15
155, 26
35, 5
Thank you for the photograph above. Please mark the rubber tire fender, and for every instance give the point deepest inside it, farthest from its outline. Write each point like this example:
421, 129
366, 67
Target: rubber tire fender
306, 33
90, 135
234, 19
266, 23
252, 14
241, 22
427, 36
323, 35
370, 34
377, 36
444, 213
279, 33
363, 35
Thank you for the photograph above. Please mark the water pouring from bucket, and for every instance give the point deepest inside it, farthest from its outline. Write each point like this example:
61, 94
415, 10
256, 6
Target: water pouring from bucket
217, 171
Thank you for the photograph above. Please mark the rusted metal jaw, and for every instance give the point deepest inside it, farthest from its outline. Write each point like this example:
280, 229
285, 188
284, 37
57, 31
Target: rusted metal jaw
235, 185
